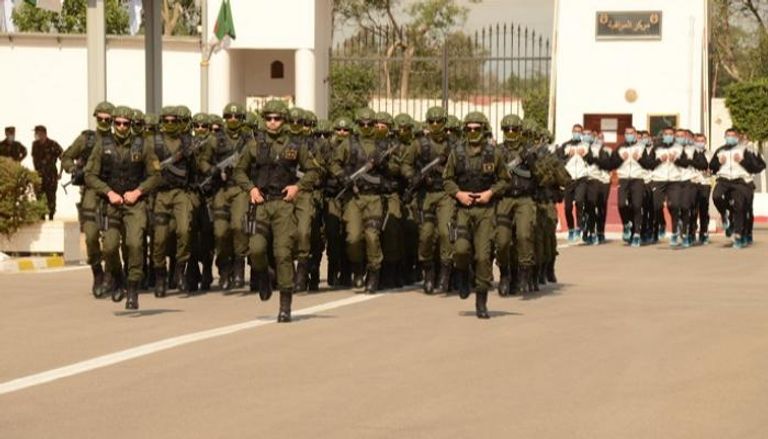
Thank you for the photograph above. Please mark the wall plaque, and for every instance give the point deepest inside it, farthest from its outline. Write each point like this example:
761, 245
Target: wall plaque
628, 25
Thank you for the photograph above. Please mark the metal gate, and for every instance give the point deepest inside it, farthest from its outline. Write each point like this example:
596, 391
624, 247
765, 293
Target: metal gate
490, 70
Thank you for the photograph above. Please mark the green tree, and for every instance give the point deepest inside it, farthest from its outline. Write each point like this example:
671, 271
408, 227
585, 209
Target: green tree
748, 104
71, 20
739, 37
536, 105
18, 206
353, 86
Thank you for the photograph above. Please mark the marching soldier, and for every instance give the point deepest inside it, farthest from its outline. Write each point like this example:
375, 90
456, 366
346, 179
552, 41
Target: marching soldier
411, 267
267, 172
45, 153
90, 207
230, 203
474, 174
123, 171
339, 270
516, 212
366, 158
435, 208
173, 204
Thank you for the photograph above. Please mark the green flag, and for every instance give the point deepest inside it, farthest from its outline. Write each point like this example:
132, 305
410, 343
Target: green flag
225, 26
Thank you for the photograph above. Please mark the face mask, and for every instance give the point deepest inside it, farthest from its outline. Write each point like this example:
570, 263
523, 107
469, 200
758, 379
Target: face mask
668, 139
201, 132
630, 138
233, 125
643, 142
699, 145
11, 138
511, 136
576, 136
366, 131
381, 133
680, 140
731, 140
475, 136
586, 138
122, 132
103, 126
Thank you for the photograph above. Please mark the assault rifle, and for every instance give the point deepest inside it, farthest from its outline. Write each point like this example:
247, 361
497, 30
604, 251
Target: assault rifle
363, 171
221, 168
419, 179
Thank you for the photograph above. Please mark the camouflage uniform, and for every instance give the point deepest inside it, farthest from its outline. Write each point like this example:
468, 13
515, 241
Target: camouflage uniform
45, 153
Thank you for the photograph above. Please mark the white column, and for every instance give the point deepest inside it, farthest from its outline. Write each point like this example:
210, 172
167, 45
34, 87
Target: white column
304, 84
97, 56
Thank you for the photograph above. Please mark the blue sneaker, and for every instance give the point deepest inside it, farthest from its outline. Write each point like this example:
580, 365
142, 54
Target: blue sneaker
673, 240
704, 239
738, 242
687, 242
748, 240
627, 235
727, 227
571, 234
601, 238
635, 242
662, 234
576, 234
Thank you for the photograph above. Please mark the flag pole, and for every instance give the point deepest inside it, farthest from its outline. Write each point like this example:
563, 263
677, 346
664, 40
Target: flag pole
206, 57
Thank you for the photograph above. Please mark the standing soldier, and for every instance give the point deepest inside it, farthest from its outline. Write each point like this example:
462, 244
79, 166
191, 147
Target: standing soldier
91, 207
411, 269
363, 212
435, 207
10, 148
516, 211
230, 203
45, 153
474, 174
150, 124
267, 172
173, 203
138, 124
123, 172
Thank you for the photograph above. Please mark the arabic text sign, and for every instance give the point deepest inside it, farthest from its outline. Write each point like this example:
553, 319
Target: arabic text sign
629, 25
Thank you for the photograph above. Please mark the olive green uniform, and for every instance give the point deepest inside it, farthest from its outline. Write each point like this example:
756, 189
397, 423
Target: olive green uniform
122, 167
44, 155
270, 164
475, 168
230, 202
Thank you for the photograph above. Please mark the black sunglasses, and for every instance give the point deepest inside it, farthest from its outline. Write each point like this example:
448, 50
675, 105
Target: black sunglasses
103, 119
435, 121
472, 129
365, 124
273, 118
170, 120
511, 130
342, 130
216, 129
122, 124
233, 116
201, 125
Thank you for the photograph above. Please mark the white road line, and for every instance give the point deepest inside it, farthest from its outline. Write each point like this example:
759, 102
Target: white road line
162, 345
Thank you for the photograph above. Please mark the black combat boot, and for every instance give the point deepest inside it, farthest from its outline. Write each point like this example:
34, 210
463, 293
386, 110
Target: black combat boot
332, 273
180, 273
172, 279
225, 276
372, 281
481, 305
358, 276
541, 271
207, 278
253, 283
445, 278
504, 281
524, 283
551, 272
314, 278
238, 274
514, 280
192, 275
161, 278
110, 286
98, 279
429, 277
132, 295
533, 279
462, 283
285, 307
300, 277
264, 285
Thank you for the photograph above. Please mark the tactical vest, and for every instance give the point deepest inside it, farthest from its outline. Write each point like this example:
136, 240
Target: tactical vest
376, 182
224, 149
477, 173
122, 173
177, 174
521, 178
90, 142
272, 174
435, 180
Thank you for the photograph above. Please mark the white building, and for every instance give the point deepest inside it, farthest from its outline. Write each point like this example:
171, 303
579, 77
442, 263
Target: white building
280, 53
629, 62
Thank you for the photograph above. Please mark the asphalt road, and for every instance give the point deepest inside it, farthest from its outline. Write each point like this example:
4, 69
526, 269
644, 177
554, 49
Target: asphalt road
633, 343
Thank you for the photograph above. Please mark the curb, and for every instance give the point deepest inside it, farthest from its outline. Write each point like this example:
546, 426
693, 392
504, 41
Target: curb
16, 265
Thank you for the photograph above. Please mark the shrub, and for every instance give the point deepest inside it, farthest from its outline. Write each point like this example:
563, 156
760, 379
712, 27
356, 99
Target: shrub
18, 206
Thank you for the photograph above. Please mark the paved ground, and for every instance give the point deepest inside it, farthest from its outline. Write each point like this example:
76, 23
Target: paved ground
638, 343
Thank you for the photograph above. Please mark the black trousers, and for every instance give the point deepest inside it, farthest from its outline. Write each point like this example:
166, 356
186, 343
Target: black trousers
596, 206
670, 192
631, 199
700, 209
648, 212
575, 194
734, 197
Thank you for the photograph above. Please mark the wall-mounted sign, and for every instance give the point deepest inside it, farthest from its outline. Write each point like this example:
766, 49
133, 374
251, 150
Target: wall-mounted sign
641, 25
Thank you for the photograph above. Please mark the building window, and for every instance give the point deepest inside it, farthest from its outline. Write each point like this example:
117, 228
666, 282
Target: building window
276, 70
